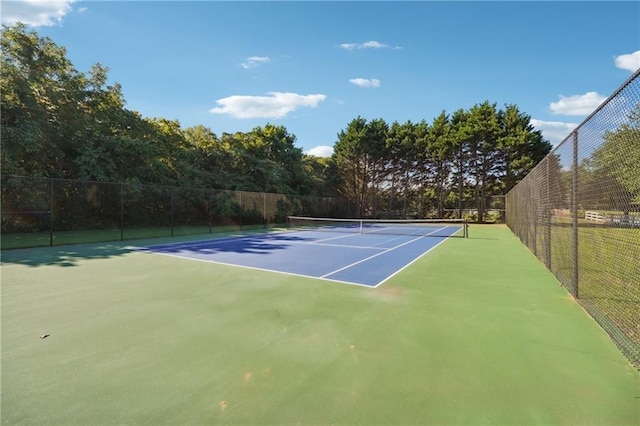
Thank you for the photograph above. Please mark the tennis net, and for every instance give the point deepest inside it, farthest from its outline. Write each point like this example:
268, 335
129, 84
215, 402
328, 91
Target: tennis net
417, 227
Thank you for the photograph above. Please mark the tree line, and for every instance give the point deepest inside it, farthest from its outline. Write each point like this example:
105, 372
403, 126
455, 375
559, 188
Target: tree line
458, 161
59, 122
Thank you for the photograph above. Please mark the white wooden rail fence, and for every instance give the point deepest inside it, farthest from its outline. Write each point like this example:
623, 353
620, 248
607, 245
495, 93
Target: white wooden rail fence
619, 219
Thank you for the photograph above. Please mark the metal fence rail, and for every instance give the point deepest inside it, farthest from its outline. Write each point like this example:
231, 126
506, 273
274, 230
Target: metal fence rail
578, 211
42, 211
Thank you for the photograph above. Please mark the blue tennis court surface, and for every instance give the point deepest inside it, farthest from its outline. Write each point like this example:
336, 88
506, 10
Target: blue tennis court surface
353, 258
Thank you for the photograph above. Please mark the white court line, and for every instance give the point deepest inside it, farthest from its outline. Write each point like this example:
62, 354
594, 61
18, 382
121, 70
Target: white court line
213, 240
370, 247
324, 277
228, 239
177, 256
388, 240
407, 265
346, 246
197, 243
321, 242
334, 238
234, 238
379, 254
188, 245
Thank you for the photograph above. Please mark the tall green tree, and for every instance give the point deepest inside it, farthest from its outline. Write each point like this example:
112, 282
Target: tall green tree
440, 151
272, 161
322, 175
460, 132
360, 158
485, 131
521, 147
402, 146
42, 99
59, 122
105, 123
619, 157
209, 157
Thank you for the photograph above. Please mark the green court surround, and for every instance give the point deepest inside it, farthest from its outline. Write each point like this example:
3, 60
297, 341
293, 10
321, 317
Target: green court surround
476, 332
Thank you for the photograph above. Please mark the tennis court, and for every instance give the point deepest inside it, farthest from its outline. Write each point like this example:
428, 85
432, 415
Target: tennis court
475, 332
354, 252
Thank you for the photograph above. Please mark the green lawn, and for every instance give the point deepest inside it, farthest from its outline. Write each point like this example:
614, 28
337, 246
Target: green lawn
475, 332
608, 271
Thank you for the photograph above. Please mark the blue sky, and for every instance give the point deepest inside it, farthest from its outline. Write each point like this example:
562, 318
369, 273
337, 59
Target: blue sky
315, 66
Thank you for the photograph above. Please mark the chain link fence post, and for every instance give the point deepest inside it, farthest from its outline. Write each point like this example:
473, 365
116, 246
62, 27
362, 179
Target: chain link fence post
574, 216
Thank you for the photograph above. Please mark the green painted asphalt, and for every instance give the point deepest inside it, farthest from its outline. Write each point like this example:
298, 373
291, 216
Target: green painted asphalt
476, 332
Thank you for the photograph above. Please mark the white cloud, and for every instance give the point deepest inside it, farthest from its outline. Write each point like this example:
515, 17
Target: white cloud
374, 44
577, 104
365, 82
366, 45
276, 105
554, 131
321, 151
83, 9
254, 61
35, 13
630, 62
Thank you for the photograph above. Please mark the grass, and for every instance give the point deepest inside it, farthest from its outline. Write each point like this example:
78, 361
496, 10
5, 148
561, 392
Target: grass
476, 332
608, 271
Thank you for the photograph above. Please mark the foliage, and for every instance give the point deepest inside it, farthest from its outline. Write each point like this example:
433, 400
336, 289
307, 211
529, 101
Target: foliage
618, 159
62, 123
422, 170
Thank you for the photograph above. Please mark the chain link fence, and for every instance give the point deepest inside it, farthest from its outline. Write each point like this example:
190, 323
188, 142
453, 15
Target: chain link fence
42, 211
578, 211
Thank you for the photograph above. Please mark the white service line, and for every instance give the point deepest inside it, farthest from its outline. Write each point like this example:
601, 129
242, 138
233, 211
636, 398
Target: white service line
347, 246
388, 240
334, 238
379, 254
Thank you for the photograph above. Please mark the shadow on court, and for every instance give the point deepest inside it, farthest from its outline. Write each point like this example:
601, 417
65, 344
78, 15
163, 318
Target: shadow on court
67, 256
256, 244
62, 256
